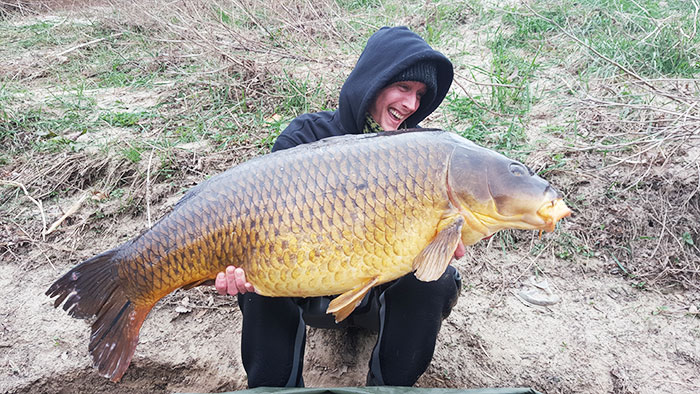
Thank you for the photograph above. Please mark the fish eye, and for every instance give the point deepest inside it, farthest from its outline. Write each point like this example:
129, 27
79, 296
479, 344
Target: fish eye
518, 169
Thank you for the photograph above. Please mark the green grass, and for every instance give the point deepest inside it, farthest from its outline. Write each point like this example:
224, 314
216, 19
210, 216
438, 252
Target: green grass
123, 119
566, 247
442, 19
299, 96
521, 45
353, 5
114, 59
651, 40
497, 117
132, 154
45, 123
41, 34
640, 35
118, 60
266, 115
228, 112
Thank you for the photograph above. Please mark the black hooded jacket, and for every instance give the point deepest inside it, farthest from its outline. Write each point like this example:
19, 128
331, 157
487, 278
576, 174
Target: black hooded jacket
388, 52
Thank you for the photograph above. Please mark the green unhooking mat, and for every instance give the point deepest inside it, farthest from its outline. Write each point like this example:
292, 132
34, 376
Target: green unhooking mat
382, 390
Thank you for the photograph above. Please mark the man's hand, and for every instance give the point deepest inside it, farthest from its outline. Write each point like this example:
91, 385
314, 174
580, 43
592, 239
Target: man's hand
232, 282
460, 251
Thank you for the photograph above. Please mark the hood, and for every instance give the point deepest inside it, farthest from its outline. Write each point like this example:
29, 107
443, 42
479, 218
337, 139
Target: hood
389, 52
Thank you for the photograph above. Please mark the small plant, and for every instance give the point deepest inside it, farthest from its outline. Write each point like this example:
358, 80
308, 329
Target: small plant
132, 154
496, 118
54, 144
185, 134
116, 194
121, 119
660, 310
300, 96
571, 245
223, 16
469, 111
168, 166
358, 4
446, 374
559, 161
687, 238
268, 141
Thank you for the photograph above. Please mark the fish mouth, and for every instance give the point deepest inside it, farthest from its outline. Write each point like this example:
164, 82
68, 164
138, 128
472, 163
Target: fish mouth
553, 211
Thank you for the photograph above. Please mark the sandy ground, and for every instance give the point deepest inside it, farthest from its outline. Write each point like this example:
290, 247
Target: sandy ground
603, 336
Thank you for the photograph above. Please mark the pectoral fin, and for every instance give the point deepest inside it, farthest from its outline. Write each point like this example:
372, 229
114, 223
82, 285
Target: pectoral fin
432, 261
343, 305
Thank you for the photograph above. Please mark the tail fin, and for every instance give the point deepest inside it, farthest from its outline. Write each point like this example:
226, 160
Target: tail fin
92, 289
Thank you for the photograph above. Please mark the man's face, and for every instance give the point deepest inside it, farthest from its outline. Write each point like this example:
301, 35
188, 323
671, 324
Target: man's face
397, 102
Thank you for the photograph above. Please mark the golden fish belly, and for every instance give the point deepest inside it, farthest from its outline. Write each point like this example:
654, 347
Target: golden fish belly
323, 265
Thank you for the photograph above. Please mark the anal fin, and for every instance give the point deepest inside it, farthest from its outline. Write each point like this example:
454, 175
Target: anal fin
343, 305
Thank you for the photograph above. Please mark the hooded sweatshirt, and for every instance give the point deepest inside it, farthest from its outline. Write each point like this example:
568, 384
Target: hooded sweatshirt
388, 53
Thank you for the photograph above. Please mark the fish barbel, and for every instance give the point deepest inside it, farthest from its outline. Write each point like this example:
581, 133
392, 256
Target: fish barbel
338, 216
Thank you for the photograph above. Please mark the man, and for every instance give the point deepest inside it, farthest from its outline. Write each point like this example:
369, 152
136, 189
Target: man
397, 82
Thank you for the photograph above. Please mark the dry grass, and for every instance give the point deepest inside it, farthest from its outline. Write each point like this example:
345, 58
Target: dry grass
631, 165
647, 218
21, 7
631, 169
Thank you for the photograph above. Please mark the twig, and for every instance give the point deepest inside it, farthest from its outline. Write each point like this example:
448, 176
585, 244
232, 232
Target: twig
499, 85
36, 202
9, 250
645, 11
472, 98
255, 20
31, 239
658, 244
73, 209
344, 20
664, 227
86, 44
667, 382
642, 107
481, 346
695, 19
148, 189
687, 200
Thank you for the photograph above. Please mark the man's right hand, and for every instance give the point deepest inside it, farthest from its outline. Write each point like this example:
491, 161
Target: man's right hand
232, 281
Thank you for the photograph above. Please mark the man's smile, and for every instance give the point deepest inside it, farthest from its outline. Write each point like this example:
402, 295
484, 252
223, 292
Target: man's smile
396, 115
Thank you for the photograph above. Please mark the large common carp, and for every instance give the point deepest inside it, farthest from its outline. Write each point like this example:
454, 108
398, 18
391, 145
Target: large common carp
338, 216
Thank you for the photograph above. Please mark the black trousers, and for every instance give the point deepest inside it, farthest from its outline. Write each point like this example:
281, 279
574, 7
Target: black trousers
407, 314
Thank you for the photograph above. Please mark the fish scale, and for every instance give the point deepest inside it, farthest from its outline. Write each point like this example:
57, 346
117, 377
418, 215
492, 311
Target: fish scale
335, 217
335, 225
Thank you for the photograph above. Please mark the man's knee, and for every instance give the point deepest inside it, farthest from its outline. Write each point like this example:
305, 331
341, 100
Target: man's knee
440, 295
410, 315
452, 287
272, 342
